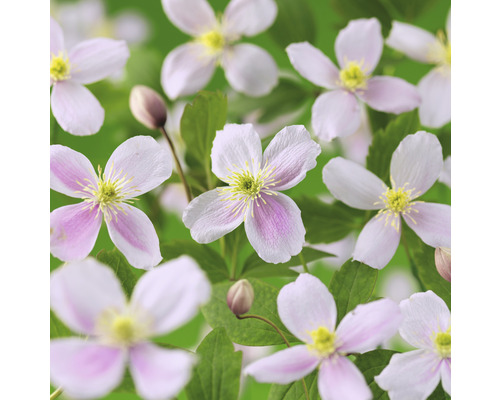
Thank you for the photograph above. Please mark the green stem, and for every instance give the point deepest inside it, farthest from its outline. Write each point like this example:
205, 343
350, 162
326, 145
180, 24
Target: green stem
222, 242
235, 256
413, 266
208, 172
56, 393
303, 261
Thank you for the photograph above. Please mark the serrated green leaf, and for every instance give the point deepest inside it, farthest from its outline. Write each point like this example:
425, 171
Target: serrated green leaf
57, 328
371, 364
353, 284
123, 270
294, 23
217, 375
249, 332
295, 390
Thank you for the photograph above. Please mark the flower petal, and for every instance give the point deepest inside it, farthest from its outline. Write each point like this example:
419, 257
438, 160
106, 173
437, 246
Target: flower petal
291, 153
435, 91
360, 41
144, 162
274, 228
431, 222
335, 114
73, 231
76, 109
250, 69
413, 375
340, 379
134, 235
209, 217
249, 17
353, 184
283, 367
96, 59
236, 147
445, 175
160, 373
186, 69
305, 305
56, 37
417, 162
390, 94
193, 17
313, 64
85, 369
81, 291
425, 314
367, 326
413, 41
377, 242
446, 375
171, 294
67, 168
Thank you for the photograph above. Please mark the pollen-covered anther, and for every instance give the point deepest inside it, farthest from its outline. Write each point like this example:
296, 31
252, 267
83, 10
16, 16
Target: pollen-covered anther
442, 343
323, 342
214, 41
440, 51
397, 201
60, 67
353, 76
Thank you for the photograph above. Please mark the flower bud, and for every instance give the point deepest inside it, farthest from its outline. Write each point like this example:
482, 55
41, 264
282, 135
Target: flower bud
148, 107
442, 257
240, 297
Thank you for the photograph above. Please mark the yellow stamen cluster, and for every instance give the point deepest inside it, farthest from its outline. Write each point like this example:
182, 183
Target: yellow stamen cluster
122, 328
353, 76
323, 342
60, 67
214, 41
440, 51
442, 343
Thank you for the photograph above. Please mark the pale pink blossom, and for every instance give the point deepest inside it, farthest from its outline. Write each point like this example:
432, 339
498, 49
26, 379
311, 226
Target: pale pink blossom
445, 176
74, 107
308, 311
272, 220
88, 298
415, 374
137, 166
248, 68
358, 47
415, 166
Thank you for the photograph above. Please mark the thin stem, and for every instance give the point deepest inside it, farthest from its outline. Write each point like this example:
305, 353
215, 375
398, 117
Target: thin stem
208, 172
412, 263
303, 261
56, 393
177, 165
235, 256
305, 388
222, 242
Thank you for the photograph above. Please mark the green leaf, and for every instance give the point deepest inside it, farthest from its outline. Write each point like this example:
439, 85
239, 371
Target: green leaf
386, 141
208, 259
407, 10
439, 394
371, 364
294, 23
123, 270
353, 284
249, 332
217, 375
57, 328
327, 223
353, 9
295, 390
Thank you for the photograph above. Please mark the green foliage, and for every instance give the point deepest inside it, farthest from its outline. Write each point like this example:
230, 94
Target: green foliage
353, 9
217, 375
294, 23
57, 328
371, 364
353, 284
123, 270
295, 390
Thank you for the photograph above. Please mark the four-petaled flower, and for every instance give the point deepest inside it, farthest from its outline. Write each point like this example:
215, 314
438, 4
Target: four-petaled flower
358, 47
415, 165
137, 166
272, 220
308, 310
88, 298
248, 68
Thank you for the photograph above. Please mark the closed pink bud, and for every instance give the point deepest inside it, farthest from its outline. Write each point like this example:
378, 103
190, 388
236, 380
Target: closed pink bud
442, 257
148, 107
240, 297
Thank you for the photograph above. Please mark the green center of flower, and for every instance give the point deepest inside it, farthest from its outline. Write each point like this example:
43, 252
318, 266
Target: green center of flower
59, 67
323, 342
213, 40
440, 51
353, 77
123, 329
442, 343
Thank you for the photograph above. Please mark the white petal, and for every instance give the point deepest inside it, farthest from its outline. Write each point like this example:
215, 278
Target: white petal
56, 37
445, 176
193, 17
446, 375
249, 17
431, 222
435, 91
413, 41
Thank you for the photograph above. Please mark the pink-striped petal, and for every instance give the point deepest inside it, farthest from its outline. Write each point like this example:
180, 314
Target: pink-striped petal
431, 222
249, 17
367, 326
413, 41
340, 379
134, 235
81, 291
56, 37
435, 91
377, 242
73, 231
171, 294
313, 64
76, 109
70, 171
284, 367
159, 373
85, 369
291, 154
446, 375
305, 305
274, 228
360, 41
193, 17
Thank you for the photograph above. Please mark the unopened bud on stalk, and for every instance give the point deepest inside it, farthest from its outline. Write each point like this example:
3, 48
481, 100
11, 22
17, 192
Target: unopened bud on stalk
442, 257
240, 297
148, 107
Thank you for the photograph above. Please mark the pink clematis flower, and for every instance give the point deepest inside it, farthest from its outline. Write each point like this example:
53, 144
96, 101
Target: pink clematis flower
358, 48
74, 107
435, 87
272, 220
415, 166
415, 374
248, 68
88, 298
308, 310
136, 166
